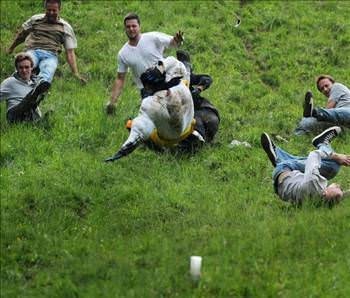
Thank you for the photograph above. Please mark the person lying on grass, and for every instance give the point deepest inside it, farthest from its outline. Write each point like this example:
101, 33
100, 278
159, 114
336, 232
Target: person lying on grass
299, 178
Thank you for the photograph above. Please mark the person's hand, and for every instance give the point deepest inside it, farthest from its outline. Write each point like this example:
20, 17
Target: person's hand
110, 108
197, 90
341, 159
179, 37
81, 79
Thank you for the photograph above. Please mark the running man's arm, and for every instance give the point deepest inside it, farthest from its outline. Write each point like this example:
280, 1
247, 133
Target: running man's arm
116, 91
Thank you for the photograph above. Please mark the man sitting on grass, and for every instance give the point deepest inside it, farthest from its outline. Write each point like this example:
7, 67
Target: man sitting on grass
22, 92
299, 178
336, 112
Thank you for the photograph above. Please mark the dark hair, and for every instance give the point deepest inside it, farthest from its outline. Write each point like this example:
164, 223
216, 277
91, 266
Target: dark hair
321, 77
52, 1
152, 77
132, 16
21, 57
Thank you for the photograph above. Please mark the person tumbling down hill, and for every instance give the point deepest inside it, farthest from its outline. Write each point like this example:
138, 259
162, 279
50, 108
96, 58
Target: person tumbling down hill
336, 112
165, 117
299, 178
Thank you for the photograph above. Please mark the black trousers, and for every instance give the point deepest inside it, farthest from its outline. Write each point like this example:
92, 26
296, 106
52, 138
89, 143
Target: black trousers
207, 123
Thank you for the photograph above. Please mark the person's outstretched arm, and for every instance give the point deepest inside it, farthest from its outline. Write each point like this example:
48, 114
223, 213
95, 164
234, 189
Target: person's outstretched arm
71, 59
202, 81
116, 91
341, 159
19, 38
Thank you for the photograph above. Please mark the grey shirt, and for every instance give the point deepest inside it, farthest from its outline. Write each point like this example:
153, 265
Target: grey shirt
14, 89
340, 94
301, 185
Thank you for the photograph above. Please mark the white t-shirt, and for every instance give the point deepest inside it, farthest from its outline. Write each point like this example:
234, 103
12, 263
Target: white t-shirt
147, 53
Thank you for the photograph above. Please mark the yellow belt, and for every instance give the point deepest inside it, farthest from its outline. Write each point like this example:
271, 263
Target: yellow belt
186, 82
156, 139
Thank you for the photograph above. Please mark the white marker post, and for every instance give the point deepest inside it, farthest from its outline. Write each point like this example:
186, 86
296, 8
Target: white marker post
195, 268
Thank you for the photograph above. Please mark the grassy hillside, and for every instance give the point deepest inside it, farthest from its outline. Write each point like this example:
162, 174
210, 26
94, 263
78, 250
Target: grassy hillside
73, 226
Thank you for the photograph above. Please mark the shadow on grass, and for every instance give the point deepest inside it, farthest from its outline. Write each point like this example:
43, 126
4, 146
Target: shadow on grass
314, 203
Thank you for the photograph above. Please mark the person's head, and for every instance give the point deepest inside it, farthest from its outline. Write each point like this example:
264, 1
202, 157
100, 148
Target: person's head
153, 77
132, 26
332, 193
324, 84
52, 10
24, 65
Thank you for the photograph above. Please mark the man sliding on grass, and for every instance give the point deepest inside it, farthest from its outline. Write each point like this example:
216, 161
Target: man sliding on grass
298, 178
44, 35
22, 92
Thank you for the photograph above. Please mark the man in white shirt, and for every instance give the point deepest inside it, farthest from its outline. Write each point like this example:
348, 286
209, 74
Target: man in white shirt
142, 51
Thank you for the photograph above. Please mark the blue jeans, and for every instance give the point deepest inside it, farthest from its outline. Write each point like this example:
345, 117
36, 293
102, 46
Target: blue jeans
311, 125
46, 61
323, 119
285, 161
340, 116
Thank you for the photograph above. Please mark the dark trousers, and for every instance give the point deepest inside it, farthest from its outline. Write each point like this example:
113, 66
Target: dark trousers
207, 123
24, 111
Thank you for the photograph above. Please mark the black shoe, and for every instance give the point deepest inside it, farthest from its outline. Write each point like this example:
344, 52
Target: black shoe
326, 136
308, 104
269, 147
40, 88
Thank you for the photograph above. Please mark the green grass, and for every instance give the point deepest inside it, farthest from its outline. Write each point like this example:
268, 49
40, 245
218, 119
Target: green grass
73, 226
